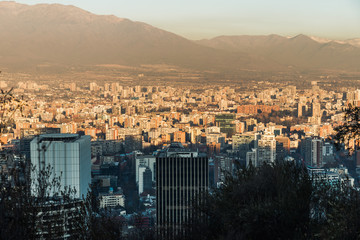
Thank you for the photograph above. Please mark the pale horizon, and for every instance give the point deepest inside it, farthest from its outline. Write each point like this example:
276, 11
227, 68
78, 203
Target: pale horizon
330, 19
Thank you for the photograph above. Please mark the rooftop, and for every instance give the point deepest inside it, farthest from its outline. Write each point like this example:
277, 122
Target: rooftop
176, 149
59, 137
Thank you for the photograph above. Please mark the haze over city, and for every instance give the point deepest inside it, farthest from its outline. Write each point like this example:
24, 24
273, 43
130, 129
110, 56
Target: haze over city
157, 120
332, 19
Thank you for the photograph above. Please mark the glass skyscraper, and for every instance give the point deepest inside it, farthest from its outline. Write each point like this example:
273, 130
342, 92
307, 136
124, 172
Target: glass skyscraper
67, 156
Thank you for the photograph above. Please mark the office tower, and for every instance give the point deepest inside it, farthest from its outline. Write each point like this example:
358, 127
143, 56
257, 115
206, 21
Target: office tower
282, 147
242, 143
73, 87
353, 98
195, 135
285, 141
357, 158
312, 151
145, 179
266, 148
93, 86
300, 109
147, 161
180, 136
250, 124
67, 155
181, 175
251, 158
316, 109
226, 122
28, 134
328, 152
316, 112
223, 165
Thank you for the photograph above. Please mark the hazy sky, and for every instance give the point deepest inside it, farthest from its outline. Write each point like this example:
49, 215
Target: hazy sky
196, 19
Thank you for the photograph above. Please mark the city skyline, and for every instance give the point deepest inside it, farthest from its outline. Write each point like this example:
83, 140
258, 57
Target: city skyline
117, 123
332, 19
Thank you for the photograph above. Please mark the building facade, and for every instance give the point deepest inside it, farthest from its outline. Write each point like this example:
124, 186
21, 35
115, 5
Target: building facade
64, 156
266, 148
181, 176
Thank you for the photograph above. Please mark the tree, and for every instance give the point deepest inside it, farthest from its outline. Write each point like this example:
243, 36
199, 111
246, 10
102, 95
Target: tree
9, 105
348, 134
37, 207
277, 201
269, 202
335, 211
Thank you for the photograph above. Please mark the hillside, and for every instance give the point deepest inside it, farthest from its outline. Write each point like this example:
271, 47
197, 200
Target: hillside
300, 51
53, 34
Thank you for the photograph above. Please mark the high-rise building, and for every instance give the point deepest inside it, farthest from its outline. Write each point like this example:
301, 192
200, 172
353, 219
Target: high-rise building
316, 112
266, 148
223, 165
28, 134
300, 109
282, 147
143, 179
312, 151
146, 179
226, 122
353, 98
147, 161
251, 158
66, 156
181, 175
242, 143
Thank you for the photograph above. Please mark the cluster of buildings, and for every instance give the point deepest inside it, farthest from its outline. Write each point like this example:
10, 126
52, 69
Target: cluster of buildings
150, 149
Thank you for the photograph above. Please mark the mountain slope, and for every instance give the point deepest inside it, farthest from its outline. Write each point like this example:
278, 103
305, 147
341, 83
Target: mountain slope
58, 34
300, 51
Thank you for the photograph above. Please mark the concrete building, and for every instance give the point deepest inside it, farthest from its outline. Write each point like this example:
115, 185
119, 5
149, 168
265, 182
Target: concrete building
112, 199
251, 158
242, 143
265, 145
145, 180
226, 122
312, 151
147, 161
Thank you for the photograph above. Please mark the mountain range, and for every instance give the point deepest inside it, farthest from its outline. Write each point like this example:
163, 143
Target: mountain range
301, 51
41, 35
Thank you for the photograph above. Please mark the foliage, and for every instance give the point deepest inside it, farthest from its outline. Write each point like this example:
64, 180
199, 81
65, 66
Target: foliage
348, 132
277, 201
9, 105
30, 212
335, 211
270, 202
34, 206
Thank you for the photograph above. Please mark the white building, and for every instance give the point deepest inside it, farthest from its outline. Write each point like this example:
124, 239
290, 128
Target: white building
141, 171
112, 199
147, 161
67, 156
266, 148
332, 175
251, 158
